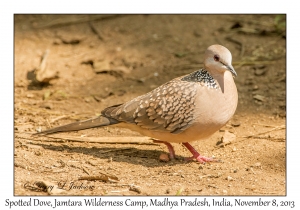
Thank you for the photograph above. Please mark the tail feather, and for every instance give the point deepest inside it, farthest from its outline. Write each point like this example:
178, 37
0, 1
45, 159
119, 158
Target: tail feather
81, 125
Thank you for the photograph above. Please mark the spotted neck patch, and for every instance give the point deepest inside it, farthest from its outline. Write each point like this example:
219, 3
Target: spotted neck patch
203, 77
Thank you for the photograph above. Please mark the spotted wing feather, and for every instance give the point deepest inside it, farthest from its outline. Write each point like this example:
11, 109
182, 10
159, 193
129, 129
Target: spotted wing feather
168, 108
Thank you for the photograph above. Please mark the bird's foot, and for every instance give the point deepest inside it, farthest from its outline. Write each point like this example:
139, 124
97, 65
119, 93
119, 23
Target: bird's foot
196, 155
170, 148
201, 159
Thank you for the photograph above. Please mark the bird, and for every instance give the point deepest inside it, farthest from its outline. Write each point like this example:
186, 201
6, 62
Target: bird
188, 108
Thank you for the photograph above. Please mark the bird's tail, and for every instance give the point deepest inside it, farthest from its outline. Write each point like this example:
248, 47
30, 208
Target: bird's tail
81, 125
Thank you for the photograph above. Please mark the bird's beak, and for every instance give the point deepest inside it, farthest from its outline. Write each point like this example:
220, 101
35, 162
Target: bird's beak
231, 69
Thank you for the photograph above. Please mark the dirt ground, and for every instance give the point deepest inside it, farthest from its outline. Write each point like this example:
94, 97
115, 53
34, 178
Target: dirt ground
70, 67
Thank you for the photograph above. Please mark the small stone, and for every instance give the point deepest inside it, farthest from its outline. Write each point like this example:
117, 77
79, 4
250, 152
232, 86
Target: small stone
259, 97
46, 95
257, 165
70, 39
235, 123
135, 189
258, 102
227, 138
46, 106
197, 33
88, 99
260, 71
29, 95
164, 157
229, 178
100, 66
97, 98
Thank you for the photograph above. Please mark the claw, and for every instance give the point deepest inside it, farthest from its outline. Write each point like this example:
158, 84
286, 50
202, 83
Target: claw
196, 155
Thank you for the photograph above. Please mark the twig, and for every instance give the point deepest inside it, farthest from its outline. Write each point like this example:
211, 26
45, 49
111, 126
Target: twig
86, 170
100, 177
93, 178
109, 140
95, 31
235, 64
280, 79
265, 125
42, 74
114, 150
109, 175
251, 63
247, 30
135, 189
118, 185
268, 138
80, 19
58, 118
100, 140
118, 191
44, 60
253, 22
242, 50
274, 129
266, 193
49, 125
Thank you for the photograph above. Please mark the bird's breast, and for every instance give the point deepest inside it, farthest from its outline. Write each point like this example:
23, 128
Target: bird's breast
214, 107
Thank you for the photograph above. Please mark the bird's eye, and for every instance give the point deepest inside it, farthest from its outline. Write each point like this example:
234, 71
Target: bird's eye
216, 58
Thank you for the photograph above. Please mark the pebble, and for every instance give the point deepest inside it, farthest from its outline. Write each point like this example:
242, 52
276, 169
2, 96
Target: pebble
235, 123
260, 71
259, 97
227, 138
257, 165
229, 178
29, 95
164, 157
46, 106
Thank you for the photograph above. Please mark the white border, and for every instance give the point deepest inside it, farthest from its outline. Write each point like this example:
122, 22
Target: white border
197, 7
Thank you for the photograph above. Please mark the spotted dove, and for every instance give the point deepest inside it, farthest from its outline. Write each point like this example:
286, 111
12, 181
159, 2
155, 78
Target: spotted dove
188, 108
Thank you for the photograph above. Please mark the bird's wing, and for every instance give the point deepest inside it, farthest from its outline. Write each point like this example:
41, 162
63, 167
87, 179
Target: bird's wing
168, 108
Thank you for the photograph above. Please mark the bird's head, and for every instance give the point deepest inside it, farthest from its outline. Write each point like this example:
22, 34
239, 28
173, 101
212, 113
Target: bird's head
217, 59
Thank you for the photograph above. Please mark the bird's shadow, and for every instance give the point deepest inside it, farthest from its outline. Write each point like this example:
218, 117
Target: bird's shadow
148, 158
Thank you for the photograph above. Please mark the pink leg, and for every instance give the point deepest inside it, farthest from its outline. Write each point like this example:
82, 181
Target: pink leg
170, 148
196, 155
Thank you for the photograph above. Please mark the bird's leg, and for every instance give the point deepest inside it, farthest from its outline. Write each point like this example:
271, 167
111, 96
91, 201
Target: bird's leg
170, 148
196, 155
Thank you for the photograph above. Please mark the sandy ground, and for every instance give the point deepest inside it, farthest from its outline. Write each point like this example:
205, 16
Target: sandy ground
89, 62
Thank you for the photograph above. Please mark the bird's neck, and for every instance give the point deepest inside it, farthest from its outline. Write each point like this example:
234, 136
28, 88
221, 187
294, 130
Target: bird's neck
222, 79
